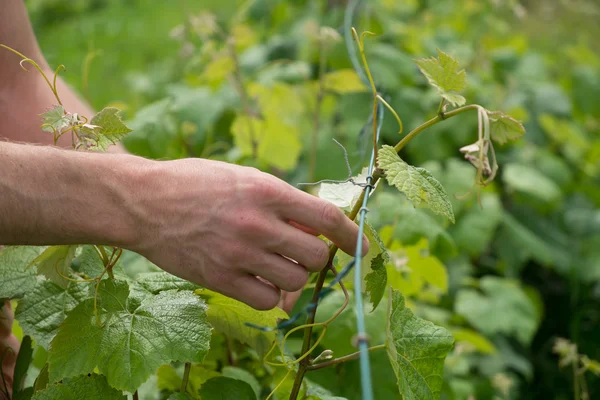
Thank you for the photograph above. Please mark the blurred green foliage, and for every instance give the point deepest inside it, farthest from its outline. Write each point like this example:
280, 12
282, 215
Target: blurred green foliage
521, 271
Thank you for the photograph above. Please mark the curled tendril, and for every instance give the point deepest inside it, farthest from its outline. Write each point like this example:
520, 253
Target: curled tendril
361, 47
25, 59
385, 103
281, 344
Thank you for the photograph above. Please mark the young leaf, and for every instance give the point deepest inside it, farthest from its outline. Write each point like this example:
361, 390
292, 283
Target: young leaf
16, 279
223, 388
502, 308
93, 387
376, 280
55, 263
55, 119
45, 307
111, 128
443, 74
133, 338
416, 349
345, 194
504, 128
229, 316
417, 184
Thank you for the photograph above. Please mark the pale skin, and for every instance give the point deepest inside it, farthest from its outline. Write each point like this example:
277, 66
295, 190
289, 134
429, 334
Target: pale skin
232, 229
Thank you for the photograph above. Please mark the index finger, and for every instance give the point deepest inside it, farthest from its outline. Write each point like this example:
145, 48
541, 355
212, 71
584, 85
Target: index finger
325, 218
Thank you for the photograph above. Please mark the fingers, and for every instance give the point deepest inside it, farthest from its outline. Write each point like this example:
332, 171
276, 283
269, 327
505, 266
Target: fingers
325, 218
6, 319
309, 251
304, 229
288, 300
281, 272
252, 291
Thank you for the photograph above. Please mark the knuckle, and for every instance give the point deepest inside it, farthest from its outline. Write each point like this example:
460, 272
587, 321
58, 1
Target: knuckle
266, 187
217, 279
251, 223
321, 256
297, 280
330, 216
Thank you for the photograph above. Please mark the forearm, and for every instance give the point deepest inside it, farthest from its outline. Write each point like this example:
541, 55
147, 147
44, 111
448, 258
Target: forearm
25, 95
50, 196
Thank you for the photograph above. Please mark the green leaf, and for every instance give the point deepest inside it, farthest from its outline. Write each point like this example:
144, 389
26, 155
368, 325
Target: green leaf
156, 282
443, 74
528, 180
229, 316
55, 263
22, 365
243, 375
416, 349
16, 278
317, 392
112, 129
504, 128
277, 143
344, 81
376, 280
92, 387
413, 266
168, 378
417, 184
502, 307
376, 248
223, 388
55, 119
43, 379
45, 307
133, 338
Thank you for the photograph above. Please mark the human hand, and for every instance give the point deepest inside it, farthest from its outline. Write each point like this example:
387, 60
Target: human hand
223, 226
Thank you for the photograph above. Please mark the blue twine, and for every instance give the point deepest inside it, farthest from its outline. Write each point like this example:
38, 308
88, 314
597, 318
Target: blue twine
362, 338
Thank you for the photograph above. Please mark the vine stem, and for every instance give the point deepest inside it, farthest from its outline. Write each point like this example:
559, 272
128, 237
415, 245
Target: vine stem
186, 377
304, 365
440, 110
431, 122
340, 360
